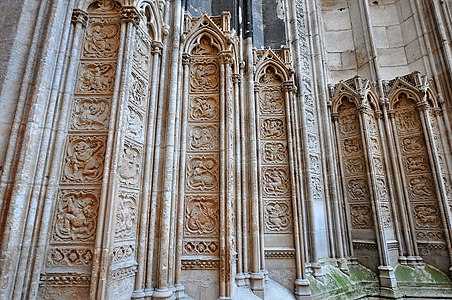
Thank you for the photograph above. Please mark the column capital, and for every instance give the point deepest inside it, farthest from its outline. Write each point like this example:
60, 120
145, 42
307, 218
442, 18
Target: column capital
80, 16
157, 47
289, 86
186, 59
236, 78
226, 57
130, 14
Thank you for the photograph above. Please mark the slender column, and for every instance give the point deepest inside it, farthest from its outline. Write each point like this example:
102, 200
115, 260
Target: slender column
181, 194
165, 196
339, 157
257, 279
300, 284
240, 278
150, 141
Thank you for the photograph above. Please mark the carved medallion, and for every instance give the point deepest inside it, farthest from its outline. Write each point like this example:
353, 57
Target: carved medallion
352, 146
201, 216
202, 173
204, 75
271, 102
76, 216
101, 38
275, 181
357, 189
412, 144
90, 114
273, 128
123, 253
416, 163
421, 187
275, 153
203, 137
204, 108
348, 122
96, 77
361, 216
126, 215
426, 215
130, 167
84, 161
354, 166
278, 216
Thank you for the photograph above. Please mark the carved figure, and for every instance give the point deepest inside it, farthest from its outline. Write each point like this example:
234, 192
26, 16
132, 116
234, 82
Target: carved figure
275, 153
204, 137
352, 146
130, 166
203, 108
101, 39
421, 187
126, 216
426, 215
272, 102
273, 128
357, 189
84, 161
97, 78
90, 114
76, 216
202, 173
276, 181
202, 217
416, 164
278, 216
204, 76
361, 216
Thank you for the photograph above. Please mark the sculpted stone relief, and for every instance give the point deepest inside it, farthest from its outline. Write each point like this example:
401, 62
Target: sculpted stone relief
204, 75
76, 216
204, 108
201, 216
354, 168
130, 168
139, 91
101, 38
68, 257
202, 173
278, 216
84, 159
90, 114
134, 124
126, 215
275, 175
416, 165
202, 184
76, 213
96, 78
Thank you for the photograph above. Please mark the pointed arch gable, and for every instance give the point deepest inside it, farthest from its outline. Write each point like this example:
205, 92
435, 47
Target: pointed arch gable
269, 58
205, 27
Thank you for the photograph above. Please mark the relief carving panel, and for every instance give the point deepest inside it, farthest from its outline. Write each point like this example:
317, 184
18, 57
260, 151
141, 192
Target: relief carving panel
76, 216
101, 38
69, 257
275, 181
204, 75
126, 215
278, 216
130, 167
201, 216
273, 128
96, 78
84, 159
204, 108
90, 114
203, 137
202, 173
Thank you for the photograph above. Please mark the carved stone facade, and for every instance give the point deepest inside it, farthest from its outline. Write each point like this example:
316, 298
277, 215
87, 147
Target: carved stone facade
148, 150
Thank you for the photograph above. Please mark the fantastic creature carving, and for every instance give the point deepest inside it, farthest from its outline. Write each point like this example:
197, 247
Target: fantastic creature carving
203, 137
204, 75
426, 215
278, 216
271, 102
273, 128
201, 216
204, 108
96, 77
76, 216
101, 38
275, 153
202, 173
90, 114
130, 168
84, 159
275, 181
361, 216
126, 216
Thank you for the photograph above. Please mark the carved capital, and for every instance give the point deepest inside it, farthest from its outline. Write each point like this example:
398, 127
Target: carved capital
335, 117
438, 112
391, 113
130, 14
226, 58
422, 106
79, 16
157, 48
236, 78
186, 59
289, 86
379, 114
363, 109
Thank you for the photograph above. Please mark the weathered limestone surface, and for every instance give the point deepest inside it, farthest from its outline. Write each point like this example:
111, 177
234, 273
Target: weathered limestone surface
149, 150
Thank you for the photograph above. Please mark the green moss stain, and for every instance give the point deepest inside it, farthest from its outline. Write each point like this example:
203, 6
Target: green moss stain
428, 274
